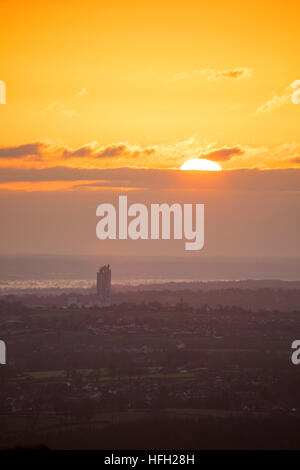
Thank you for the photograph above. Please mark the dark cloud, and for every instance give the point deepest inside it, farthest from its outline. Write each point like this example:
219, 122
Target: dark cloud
86, 151
223, 154
110, 151
213, 74
152, 179
295, 160
234, 73
21, 150
81, 152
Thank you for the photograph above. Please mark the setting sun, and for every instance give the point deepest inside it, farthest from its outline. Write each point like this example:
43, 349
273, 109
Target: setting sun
201, 164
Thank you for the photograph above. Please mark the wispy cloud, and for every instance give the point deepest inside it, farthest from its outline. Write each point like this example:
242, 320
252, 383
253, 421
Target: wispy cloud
61, 109
277, 100
81, 93
51, 106
67, 111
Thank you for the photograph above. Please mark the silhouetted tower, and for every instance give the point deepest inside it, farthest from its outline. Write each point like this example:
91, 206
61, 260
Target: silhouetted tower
104, 285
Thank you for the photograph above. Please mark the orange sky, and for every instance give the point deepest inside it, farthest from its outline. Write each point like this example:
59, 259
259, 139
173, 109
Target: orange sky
149, 84
93, 87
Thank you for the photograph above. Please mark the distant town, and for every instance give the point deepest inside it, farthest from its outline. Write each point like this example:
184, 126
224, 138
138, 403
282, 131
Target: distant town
81, 365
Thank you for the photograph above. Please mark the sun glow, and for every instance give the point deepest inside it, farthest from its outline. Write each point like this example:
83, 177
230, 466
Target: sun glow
201, 164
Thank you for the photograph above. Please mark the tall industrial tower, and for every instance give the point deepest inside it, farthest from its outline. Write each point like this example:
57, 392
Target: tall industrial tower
104, 285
